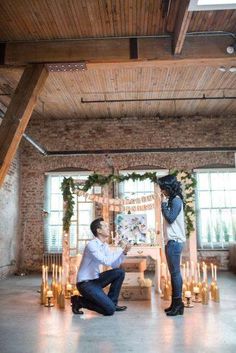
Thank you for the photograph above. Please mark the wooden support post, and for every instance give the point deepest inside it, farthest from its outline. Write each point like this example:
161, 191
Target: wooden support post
181, 26
18, 114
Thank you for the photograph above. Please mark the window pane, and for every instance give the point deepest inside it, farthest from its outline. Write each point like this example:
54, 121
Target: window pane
233, 198
232, 181
73, 235
56, 202
205, 224
204, 199
84, 217
55, 239
55, 185
217, 226
55, 218
85, 232
218, 199
217, 181
227, 230
203, 181
234, 224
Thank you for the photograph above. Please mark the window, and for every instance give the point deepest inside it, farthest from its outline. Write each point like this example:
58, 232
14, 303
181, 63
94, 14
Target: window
216, 208
132, 189
83, 215
211, 5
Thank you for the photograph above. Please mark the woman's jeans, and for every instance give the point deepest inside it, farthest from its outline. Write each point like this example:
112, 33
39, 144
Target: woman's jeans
173, 251
93, 296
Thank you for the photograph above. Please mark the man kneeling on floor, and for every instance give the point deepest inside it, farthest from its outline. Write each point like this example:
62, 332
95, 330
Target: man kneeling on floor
90, 282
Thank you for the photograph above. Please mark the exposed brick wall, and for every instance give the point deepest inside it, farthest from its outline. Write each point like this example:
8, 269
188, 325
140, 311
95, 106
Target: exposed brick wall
9, 224
112, 134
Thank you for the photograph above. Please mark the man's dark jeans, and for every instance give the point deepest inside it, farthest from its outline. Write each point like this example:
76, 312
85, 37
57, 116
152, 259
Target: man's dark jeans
93, 296
173, 251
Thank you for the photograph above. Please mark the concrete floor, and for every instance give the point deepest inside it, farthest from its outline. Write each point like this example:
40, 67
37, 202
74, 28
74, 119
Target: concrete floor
27, 327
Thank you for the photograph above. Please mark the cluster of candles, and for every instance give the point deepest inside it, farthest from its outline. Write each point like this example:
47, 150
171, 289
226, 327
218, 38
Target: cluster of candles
59, 289
195, 283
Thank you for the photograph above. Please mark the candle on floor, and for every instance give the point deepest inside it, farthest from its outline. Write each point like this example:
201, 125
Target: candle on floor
187, 294
49, 294
69, 286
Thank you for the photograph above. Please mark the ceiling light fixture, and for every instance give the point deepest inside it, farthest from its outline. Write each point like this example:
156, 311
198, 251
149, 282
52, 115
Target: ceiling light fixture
231, 49
222, 69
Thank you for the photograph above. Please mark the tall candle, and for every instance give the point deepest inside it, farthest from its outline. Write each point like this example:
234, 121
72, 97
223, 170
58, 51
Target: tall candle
43, 274
60, 273
46, 274
206, 272
198, 272
192, 269
56, 272
187, 269
53, 271
184, 272
212, 271
215, 267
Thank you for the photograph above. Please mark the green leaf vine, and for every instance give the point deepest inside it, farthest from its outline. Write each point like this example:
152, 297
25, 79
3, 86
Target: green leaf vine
68, 189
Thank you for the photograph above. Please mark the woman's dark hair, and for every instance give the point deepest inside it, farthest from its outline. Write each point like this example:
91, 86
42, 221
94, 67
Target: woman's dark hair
95, 225
172, 186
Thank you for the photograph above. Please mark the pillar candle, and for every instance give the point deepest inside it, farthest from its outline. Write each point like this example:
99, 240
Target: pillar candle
187, 269
184, 272
206, 273
212, 272
43, 274
215, 267
60, 273
46, 274
198, 272
192, 269
53, 271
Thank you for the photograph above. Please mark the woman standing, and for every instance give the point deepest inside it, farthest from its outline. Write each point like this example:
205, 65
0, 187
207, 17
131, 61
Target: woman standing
172, 207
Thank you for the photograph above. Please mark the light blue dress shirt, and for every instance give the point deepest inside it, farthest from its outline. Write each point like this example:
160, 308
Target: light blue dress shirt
97, 253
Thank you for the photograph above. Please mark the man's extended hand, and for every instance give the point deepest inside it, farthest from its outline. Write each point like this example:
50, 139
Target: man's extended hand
127, 248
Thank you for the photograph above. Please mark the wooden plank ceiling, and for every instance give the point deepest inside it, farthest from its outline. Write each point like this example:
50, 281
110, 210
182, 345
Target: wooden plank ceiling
50, 19
78, 19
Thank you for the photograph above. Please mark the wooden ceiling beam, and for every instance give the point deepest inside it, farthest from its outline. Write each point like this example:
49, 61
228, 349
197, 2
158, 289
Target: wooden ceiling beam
181, 26
151, 52
18, 114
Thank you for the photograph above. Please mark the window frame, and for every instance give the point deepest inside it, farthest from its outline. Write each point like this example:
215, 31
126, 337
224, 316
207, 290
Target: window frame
47, 187
213, 246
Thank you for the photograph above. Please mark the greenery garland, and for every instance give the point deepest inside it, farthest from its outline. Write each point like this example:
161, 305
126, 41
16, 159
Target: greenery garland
189, 183
68, 189
186, 178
